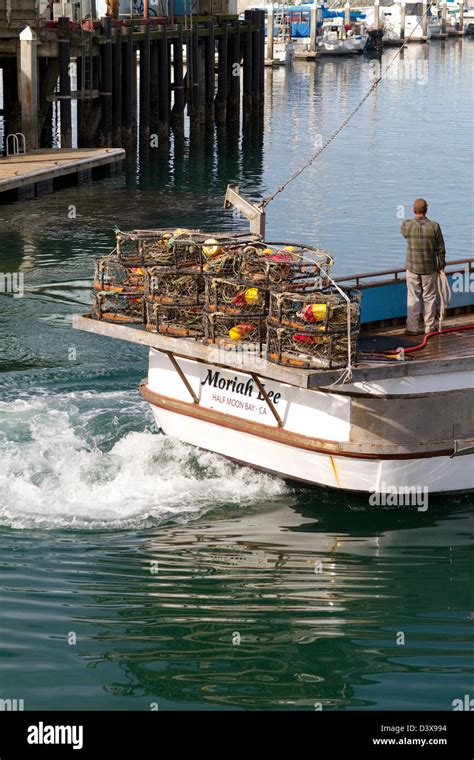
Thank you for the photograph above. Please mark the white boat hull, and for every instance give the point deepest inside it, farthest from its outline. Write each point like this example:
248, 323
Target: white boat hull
230, 416
352, 474
350, 46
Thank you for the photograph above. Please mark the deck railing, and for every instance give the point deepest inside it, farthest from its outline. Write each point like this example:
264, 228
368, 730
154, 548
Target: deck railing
355, 279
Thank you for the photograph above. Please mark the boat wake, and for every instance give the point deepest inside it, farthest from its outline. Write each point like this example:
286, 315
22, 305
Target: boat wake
77, 461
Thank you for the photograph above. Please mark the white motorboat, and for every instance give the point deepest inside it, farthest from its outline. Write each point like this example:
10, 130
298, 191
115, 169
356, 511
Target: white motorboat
335, 41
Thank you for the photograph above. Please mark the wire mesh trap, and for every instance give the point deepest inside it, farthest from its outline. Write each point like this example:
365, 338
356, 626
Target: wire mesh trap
112, 275
312, 329
235, 297
229, 331
168, 286
176, 321
126, 306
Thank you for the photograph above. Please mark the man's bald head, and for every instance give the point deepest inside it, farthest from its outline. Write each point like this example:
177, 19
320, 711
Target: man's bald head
420, 206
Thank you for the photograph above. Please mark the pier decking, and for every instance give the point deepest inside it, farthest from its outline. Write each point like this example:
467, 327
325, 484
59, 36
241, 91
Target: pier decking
36, 170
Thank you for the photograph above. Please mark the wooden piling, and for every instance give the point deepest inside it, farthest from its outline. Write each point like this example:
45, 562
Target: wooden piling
247, 56
312, 29
270, 30
64, 45
347, 13
233, 104
145, 88
117, 89
106, 83
424, 23
128, 75
210, 77
256, 61
221, 97
154, 93
444, 17
28, 89
177, 114
163, 84
261, 60
376, 14
403, 10
193, 70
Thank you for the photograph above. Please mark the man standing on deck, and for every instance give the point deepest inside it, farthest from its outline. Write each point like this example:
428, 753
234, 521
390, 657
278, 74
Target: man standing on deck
425, 258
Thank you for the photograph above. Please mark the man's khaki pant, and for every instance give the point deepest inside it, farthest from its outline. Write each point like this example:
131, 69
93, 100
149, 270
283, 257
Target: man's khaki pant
422, 291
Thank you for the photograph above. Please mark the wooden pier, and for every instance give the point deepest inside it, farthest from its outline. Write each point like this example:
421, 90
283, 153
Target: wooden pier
116, 81
37, 172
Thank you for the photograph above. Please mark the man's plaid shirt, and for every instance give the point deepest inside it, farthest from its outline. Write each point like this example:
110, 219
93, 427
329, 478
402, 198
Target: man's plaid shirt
425, 245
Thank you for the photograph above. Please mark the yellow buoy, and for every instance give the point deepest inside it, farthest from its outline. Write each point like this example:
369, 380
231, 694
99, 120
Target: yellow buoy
251, 296
234, 333
211, 247
267, 252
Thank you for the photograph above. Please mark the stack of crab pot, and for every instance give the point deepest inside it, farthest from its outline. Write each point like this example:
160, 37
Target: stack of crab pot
239, 286
314, 328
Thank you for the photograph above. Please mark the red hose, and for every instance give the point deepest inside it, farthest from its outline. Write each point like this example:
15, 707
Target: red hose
436, 332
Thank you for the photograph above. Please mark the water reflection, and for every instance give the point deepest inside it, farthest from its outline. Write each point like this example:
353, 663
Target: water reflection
289, 606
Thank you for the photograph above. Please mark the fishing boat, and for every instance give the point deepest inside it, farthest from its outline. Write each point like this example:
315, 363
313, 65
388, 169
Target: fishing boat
397, 412
334, 40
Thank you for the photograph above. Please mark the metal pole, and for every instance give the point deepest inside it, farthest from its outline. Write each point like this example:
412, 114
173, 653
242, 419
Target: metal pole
403, 9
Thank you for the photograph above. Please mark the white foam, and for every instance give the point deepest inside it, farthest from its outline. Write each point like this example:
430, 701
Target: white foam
62, 466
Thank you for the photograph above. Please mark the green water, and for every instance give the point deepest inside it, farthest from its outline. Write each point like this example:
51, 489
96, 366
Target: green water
137, 570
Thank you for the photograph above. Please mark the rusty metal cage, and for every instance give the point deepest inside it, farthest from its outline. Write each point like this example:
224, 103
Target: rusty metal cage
126, 306
176, 321
168, 286
228, 331
308, 349
111, 275
235, 297
314, 328
323, 310
176, 247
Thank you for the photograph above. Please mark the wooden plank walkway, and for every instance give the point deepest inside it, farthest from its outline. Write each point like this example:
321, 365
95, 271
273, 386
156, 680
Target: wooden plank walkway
48, 164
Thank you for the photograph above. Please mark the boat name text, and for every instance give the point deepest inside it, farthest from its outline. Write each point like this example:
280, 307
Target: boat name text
235, 385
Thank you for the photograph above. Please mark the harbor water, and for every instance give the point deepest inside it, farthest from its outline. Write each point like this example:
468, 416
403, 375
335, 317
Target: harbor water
138, 572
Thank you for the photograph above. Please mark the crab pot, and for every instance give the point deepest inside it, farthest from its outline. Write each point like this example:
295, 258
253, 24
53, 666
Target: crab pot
235, 297
317, 310
308, 349
230, 331
112, 275
166, 285
287, 267
145, 247
126, 306
177, 321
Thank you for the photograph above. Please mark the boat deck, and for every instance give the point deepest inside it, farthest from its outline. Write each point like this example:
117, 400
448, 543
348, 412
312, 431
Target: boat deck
452, 352
439, 347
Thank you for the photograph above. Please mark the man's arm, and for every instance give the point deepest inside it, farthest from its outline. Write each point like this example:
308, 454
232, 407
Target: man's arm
440, 249
404, 228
